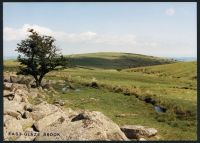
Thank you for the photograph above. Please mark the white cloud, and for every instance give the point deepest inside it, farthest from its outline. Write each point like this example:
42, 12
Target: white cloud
13, 34
170, 11
90, 41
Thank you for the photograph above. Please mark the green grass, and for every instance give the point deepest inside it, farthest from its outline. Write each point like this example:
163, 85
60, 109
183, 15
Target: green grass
177, 70
135, 111
164, 89
173, 86
10, 65
118, 61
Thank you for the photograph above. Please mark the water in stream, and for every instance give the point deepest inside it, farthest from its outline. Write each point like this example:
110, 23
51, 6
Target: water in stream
159, 109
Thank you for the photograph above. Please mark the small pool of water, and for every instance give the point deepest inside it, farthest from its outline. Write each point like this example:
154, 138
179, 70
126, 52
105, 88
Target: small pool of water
159, 109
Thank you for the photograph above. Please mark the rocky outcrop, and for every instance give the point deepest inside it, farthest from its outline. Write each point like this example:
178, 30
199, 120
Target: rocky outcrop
24, 121
48, 120
85, 126
24, 118
138, 132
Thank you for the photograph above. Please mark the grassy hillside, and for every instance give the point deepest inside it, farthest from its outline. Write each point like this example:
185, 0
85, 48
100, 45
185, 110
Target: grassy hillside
177, 70
172, 86
110, 60
177, 95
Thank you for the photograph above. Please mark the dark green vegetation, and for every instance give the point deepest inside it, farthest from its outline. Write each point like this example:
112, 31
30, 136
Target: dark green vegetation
121, 95
38, 55
115, 60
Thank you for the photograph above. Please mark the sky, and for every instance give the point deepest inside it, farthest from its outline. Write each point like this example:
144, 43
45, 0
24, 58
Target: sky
162, 29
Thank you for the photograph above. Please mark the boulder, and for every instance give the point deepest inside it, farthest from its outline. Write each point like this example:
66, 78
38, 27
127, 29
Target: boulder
60, 102
46, 85
17, 86
94, 84
142, 139
22, 92
7, 117
25, 99
33, 94
13, 108
6, 78
13, 105
26, 123
43, 109
37, 115
5, 134
8, 93
93, 126
7, 86
15, 114
28, 107
48, 120
71, 113
28, 135
15, 79
137, 131
26, 115
12, 126
26, 80
17, 98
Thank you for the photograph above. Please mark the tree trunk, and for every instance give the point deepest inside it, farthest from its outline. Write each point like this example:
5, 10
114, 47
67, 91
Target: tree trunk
40, 80
37, 83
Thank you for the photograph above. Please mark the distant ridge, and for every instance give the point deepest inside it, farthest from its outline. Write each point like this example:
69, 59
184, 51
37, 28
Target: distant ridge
113, 60
186, 59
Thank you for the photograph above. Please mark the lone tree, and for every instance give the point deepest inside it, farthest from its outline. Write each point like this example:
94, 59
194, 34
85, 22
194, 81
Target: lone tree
38, 55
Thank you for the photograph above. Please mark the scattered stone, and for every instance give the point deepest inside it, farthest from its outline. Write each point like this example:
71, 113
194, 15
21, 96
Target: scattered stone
125, 115
7, 86
28, 107
137, 131
40, 95
26, 115
6, 78
77, 90
67, 124
60, 102
25, 99
94, 84
142, 139
46, 121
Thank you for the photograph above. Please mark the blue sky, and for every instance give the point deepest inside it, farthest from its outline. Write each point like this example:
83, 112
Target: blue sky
158, 29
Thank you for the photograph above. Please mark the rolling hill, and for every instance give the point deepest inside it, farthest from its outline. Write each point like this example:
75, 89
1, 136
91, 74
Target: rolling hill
110, 60
177, 70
